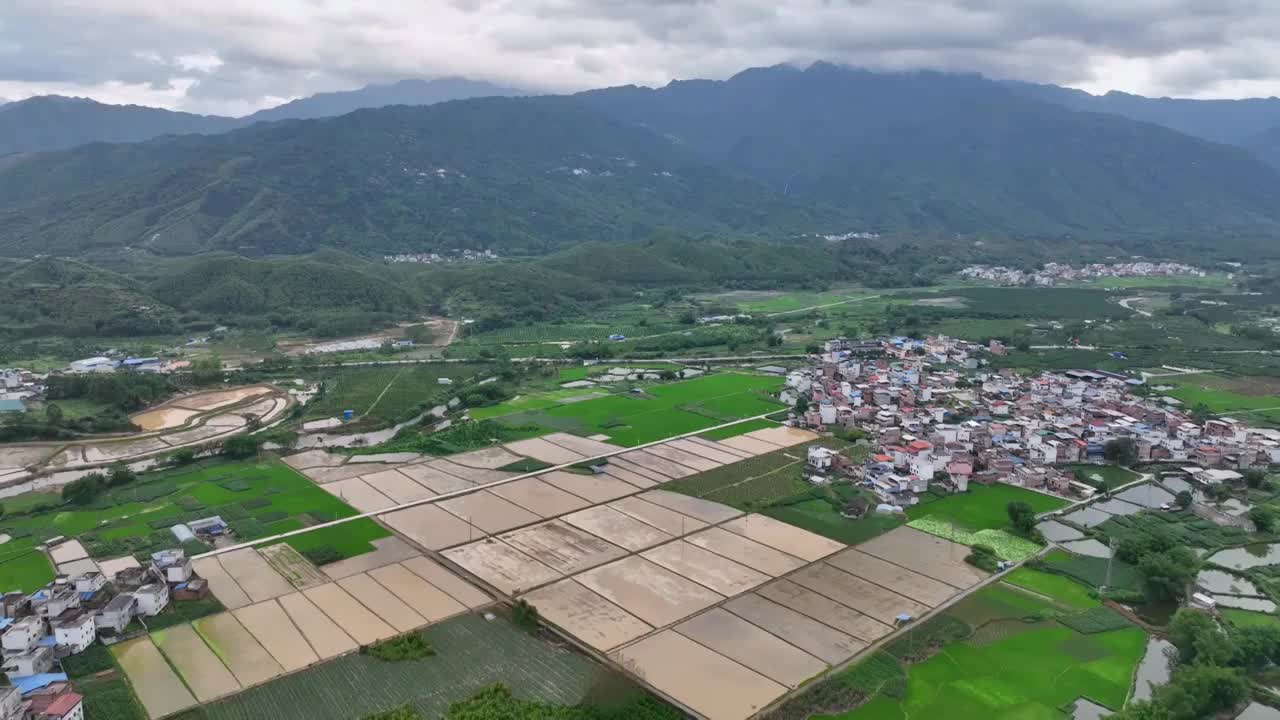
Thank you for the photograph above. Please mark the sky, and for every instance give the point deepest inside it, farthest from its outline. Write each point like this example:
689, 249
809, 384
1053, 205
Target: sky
233, 57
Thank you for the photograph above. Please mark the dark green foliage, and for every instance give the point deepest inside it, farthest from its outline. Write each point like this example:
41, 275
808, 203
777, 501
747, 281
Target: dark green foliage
1121, 451
120, 474
498, 703
272, 516
1095, 620
525, 465
255, 503
1022, 516
983, 557
109, 698
1194, 693
405, 647
455, 439
322, 554
184, 456
95, 659
236, 485
1183, 499
404, 712
248, 528
879, 674
240, 447
1263, 517
188, 503
525, 615
185, 611
83, 491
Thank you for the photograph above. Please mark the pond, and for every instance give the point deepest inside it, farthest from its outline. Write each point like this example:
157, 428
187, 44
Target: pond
1155, 668
1255, 604
1217, 581
1249, 556
1088, 710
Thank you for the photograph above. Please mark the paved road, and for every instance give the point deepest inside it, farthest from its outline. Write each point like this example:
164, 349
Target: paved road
1125, 304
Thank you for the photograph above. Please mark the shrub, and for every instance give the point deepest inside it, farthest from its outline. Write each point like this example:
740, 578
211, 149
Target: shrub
1095, 620
241, 447
184, 456
322, 554
406, 647
526, 616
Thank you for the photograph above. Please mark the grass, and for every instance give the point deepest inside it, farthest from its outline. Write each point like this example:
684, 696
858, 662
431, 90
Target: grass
756, 482
471, 653
1060, 588
818, 516
1248, 619
134, 519
455, 439
1112, 475
27, 570
388, 394
183, 612
1214, 392
662, 410
983, 507
1092, 572
348, 539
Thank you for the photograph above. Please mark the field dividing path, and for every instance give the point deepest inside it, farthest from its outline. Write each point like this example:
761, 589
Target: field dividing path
827, 305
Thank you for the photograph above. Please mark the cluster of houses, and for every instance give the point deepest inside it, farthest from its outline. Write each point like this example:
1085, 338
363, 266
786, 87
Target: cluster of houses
934, 415
1054, 273
71, 613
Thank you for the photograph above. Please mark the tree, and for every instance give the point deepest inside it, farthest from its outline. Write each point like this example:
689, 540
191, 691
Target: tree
184, 456
1121, 451
1183, 499
1255, 478
84, 490
1185, 630
1023, 517
802, 405
53, 414
1169, 572
206, 371
120, 474
1263, 517
1219, 492
240, 447
1200, 414
526, 616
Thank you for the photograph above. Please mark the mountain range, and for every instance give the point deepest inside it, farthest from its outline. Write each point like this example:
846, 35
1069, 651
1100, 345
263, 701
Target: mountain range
774, 153
53, 122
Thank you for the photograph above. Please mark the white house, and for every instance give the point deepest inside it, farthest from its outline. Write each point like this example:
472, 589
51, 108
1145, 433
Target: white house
152, 599
90, 582
23, 634
117, 615
76, 632
174, 565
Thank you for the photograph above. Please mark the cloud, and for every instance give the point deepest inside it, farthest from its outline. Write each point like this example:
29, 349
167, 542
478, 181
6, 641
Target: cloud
233, 56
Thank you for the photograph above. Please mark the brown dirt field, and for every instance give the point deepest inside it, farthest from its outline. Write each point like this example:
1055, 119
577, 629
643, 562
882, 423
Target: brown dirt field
748, 552
539, 497
426, 599
474, 475
313, 458
254, 575
387, 550
721, 447
784, 436
457, 588
713, 685
621, 463
354, 618
667, 520
926, 554
486, 459
667, 452
219, 398
437, 481
322, 475
20, 456
431, 527
918, 587
585, 447
750, 445
224, 587
244, 655
706, 568
587, 616
292, 566
825, 610
106, 452
547, 452
397, 486
382, 602
157, 686
323, 634
861, 595
271, 626
502, 566
195, 435
617, 528
562, 547
781, 536
204, 673
704, 510
641, 482
715, 455
648, 591
737, 639
162, 418
359, 494
65, 552
657, 465
592, 488
489, 512
813, 637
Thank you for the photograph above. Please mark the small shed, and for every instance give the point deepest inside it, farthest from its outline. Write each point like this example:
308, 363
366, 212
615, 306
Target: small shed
182, 533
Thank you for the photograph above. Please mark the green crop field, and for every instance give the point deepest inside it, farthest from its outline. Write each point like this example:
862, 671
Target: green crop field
1248, 618
536, 400
26, 569
471, 653
1113, 475
390, 393
256, 499
1058, 587
749, 484
983, 507
1092, 571
662, 410
1216, 393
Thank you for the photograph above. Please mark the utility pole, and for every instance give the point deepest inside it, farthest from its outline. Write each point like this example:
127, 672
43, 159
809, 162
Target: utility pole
1110, 558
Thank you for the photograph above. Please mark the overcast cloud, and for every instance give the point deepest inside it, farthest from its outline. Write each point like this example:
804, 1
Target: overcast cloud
237, 56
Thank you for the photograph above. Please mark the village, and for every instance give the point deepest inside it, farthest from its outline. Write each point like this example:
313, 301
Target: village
936, 419
1055, 273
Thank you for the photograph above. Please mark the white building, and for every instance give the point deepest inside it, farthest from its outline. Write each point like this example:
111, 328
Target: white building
173, 565
152, 599
22, 635
93, 365
76, 632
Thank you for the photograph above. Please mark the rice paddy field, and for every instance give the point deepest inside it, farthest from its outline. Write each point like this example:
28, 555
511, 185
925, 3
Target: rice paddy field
1010, 667
471, 653
257, 499
983, 507
1223, 394
661, 410
1113, 475
389, 393
1248, 618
